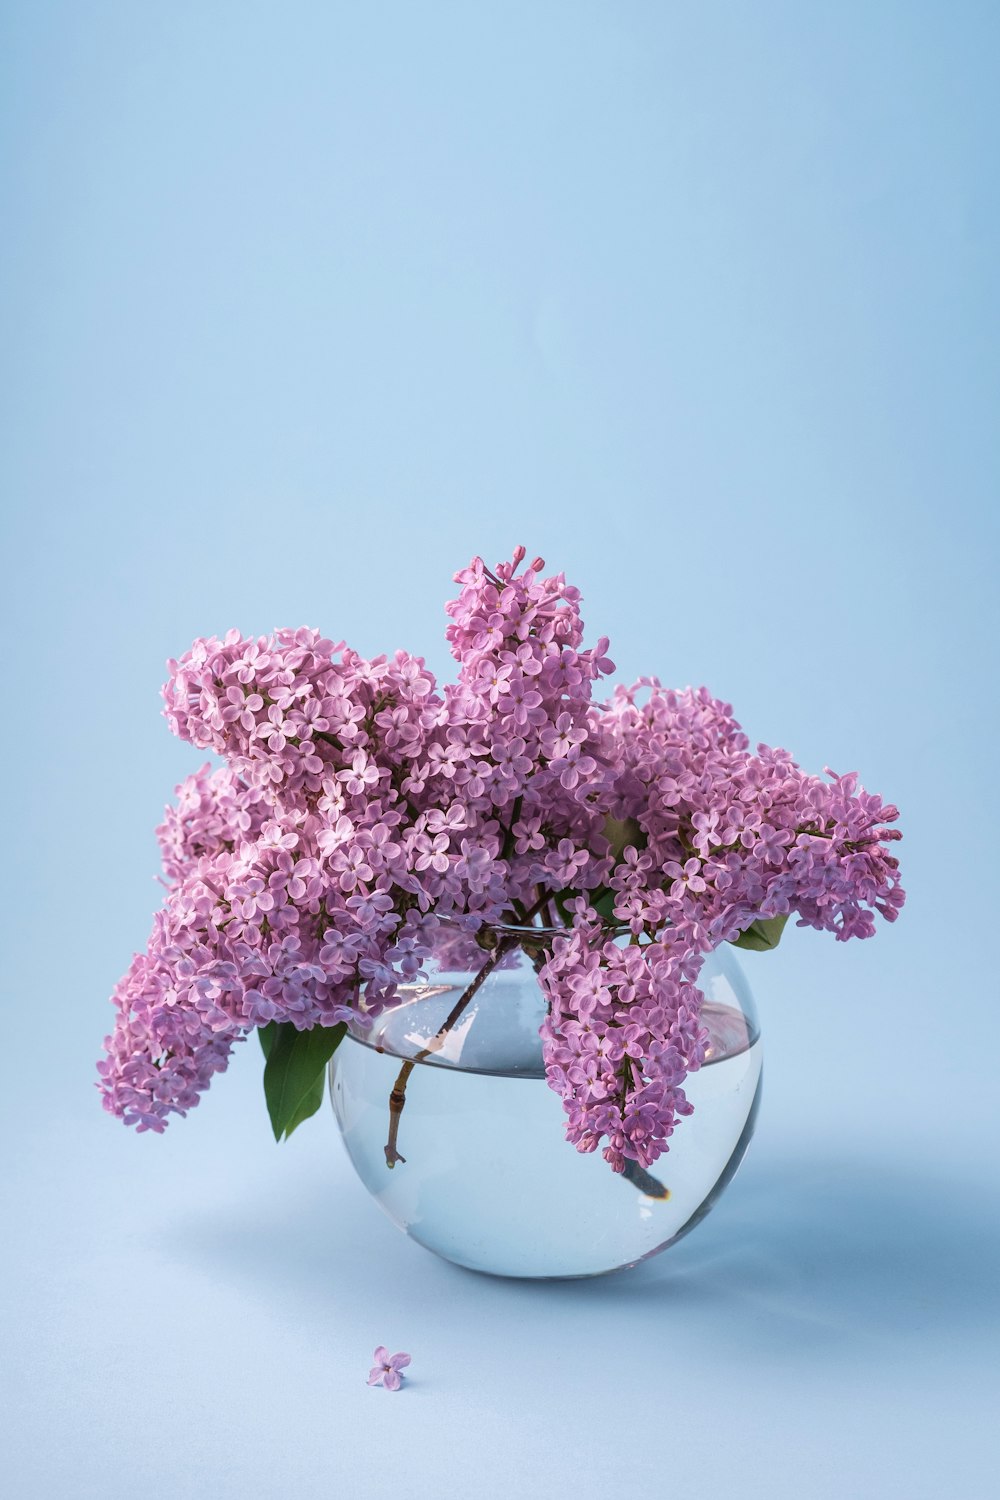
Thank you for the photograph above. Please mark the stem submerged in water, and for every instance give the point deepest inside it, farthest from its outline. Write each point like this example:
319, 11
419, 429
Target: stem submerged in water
633, 1173
643, 1180
397, 1098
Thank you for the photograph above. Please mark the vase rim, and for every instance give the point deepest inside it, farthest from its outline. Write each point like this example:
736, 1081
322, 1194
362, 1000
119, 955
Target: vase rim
463, 921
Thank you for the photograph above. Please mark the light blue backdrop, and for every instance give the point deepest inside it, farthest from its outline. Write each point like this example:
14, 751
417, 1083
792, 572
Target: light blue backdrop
303, 305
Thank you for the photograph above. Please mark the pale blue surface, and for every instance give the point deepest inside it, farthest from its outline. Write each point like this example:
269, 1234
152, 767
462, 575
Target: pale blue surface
304, 305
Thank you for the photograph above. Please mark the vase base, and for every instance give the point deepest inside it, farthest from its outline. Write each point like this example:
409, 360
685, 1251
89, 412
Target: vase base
722, 1182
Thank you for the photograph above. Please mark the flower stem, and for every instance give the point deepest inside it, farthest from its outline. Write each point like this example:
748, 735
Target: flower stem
397, 1098
632, 1172
643, 1180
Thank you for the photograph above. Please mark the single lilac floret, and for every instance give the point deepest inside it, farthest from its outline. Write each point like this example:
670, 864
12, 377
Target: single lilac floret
387, 1369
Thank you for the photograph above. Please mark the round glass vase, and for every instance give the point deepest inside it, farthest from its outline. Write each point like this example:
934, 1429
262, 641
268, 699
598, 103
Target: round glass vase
485, 1177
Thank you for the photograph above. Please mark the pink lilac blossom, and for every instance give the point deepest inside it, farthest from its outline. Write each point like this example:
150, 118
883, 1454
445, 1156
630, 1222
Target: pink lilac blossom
359, 803
388, 1368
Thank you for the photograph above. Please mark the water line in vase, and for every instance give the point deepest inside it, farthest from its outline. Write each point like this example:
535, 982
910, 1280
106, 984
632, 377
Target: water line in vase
397, 1097
637, 1175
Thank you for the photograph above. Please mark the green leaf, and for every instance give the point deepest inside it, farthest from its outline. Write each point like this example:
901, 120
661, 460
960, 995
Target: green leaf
310, 1103
604, 905
762, 935
268, 1036
621, 833
562, 906
295, 1072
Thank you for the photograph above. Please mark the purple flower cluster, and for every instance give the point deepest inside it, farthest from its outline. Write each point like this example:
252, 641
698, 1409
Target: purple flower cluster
359, 804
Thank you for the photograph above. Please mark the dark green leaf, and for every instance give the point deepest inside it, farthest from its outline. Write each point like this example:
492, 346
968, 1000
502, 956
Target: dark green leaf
294, 1073
604, 904
268, 1036
310, 1104
562, 906
762, 935
622, 833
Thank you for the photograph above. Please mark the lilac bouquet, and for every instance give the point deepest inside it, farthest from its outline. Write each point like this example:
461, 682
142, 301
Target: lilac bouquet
360, 805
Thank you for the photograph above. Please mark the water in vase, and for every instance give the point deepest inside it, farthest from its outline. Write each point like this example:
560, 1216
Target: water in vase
489, 1180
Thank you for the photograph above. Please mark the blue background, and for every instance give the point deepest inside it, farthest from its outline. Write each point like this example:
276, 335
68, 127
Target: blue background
304, 305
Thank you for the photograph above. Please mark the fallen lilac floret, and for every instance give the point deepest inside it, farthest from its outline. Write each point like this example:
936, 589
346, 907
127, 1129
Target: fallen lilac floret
387, 1369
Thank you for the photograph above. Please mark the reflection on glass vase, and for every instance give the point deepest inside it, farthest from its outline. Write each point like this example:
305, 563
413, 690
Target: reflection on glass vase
484, 1175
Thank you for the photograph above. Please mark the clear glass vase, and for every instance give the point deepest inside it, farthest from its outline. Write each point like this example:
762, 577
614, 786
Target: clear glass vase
486, 1177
